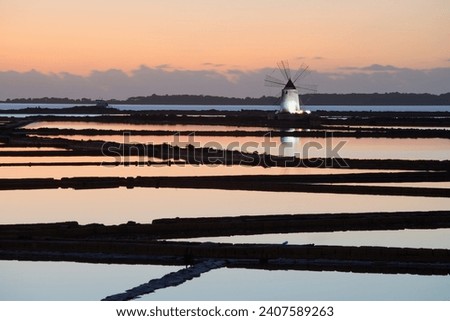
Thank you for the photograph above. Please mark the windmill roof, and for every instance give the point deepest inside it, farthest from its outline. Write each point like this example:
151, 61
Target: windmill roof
289, 85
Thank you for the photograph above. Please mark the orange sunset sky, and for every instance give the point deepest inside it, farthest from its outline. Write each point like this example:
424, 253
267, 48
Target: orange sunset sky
78, 37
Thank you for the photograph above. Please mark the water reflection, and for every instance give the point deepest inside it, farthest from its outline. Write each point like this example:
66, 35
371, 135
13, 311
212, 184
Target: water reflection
125, 126
116, 206
240, 284
348, 147
433, 148
289, 144
439, 238
154, 170
81, 281
53, 281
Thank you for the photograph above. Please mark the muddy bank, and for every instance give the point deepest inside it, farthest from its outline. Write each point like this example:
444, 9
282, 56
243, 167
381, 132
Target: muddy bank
260, 118
133, 243
107, 164
339, 258
212, 181
322, 133
251, 183
197, 155
162, 229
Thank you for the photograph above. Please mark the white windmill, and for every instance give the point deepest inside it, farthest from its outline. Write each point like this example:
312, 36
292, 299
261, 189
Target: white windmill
290, 101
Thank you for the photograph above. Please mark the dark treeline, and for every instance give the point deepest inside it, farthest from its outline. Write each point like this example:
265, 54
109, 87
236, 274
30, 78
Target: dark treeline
308, 99
376, 99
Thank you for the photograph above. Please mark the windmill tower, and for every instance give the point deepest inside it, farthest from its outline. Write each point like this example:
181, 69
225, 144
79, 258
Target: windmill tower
290, 102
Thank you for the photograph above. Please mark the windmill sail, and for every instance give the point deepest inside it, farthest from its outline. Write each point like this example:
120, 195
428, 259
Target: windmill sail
290, 101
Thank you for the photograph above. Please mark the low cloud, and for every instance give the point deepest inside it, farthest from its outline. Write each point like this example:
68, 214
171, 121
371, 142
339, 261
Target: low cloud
210, 64
384, 79
373, 68
309, 58
144, 81
163, 66
376, 67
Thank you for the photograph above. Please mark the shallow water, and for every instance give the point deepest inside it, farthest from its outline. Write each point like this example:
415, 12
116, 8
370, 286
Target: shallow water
154, 170
259, 285
85, 282
436, 239
348, 147
75, 281
304, 147
115, 206
125, 126
54, 281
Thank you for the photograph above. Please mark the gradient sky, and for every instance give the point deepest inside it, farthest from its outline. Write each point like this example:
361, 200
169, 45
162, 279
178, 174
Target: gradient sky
82, 36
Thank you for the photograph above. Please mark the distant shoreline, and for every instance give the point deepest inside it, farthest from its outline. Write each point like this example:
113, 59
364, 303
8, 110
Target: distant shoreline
394, 99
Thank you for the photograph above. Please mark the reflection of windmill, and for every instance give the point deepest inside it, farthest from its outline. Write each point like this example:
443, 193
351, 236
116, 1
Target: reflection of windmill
290, 101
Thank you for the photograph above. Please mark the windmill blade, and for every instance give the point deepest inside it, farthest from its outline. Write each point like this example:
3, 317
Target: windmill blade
286, 68
273, 82
306, 87
303, 71
278, 101
269, 84
282, 67
305, 99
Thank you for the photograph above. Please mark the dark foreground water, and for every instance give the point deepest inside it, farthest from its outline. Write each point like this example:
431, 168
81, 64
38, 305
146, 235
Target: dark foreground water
79, 281
4, 106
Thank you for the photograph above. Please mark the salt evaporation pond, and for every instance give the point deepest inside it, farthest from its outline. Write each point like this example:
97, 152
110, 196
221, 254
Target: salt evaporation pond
260, 285
119, 205
53, 281
79, 281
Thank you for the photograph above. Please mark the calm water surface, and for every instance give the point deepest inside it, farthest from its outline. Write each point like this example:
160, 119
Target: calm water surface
241, 284
68, 281
115, 206
435, 239
84, 282
76, 281
154, 170
349, 147
124, 126
305, 147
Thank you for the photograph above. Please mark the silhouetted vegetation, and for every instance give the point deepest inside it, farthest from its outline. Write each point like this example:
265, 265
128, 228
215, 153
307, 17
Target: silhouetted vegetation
309, 99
